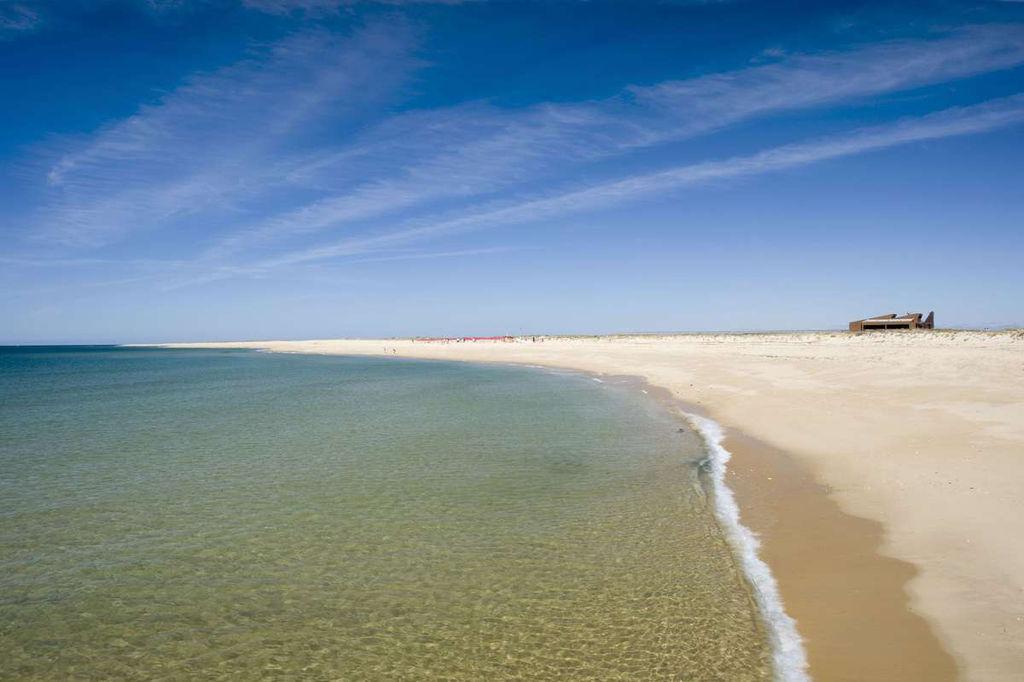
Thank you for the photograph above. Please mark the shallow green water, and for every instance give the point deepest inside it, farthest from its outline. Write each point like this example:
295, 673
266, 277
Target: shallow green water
201, 514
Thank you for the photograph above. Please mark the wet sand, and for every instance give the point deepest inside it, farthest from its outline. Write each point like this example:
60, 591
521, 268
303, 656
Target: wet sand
850, 602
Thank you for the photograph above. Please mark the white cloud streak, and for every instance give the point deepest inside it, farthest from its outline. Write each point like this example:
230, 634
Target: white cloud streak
951, 122
459, 253
455, 153
233, 143
804, 81
214, 140
486, 150
320, 6
17, 17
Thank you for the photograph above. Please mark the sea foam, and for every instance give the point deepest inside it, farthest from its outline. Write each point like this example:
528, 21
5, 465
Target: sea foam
788, 653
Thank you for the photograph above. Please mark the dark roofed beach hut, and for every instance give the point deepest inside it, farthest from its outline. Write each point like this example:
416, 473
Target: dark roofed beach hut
893, 321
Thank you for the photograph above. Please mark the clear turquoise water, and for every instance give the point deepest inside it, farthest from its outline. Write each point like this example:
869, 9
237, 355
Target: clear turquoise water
169, 514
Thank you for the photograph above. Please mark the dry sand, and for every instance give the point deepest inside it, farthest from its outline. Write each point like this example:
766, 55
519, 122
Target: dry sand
916, 439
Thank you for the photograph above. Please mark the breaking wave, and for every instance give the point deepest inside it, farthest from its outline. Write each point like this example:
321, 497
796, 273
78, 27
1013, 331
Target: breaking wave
788, 653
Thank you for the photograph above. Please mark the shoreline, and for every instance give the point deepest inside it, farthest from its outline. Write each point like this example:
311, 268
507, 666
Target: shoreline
788, 646
822, 556
789, 654
844, 640
889, 428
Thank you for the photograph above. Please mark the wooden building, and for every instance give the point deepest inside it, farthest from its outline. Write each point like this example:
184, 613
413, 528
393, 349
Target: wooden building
894, 321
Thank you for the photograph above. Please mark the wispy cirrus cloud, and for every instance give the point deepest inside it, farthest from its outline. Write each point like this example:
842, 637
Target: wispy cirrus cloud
801, 81
433, 255
17, 17
314, 6
448, 154
486, 149
951, 122
239, 150
207, 144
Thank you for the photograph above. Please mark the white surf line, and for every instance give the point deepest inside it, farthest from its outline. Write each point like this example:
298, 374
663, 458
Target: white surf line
787, 646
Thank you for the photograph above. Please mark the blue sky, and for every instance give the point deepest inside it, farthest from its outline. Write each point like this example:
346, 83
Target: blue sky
229, 169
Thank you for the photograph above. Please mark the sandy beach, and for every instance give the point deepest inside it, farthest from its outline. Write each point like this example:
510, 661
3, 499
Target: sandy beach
882, 472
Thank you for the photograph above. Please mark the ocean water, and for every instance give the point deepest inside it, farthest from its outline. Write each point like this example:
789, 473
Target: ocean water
186, 514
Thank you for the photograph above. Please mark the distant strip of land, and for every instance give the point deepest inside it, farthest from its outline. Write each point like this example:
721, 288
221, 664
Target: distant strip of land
917, 437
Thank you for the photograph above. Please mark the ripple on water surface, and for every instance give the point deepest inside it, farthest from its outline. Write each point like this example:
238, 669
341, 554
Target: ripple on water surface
201, 514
